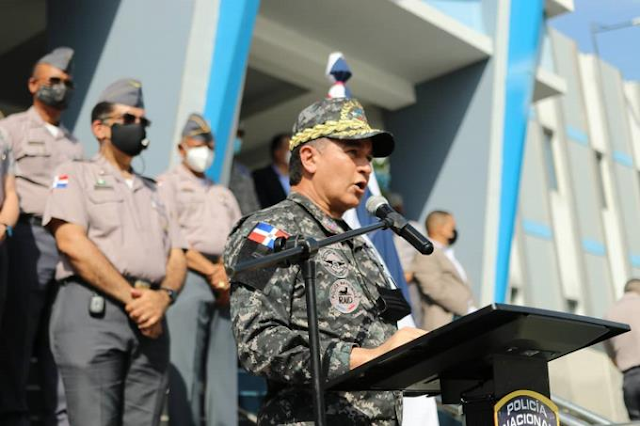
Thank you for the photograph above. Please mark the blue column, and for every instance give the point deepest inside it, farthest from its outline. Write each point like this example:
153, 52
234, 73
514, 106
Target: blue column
236, 20
525, 31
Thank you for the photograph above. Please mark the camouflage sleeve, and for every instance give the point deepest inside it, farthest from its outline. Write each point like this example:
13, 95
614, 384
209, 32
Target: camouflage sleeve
268, 344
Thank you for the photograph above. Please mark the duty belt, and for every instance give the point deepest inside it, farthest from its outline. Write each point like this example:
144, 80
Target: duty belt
213, 258
134, 282
631, 369
31, 219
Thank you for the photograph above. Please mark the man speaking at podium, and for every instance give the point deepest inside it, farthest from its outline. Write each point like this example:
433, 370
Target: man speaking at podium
331, 151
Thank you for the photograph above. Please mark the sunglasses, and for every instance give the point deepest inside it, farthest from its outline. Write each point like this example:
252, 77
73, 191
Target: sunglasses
128, 118
54, 81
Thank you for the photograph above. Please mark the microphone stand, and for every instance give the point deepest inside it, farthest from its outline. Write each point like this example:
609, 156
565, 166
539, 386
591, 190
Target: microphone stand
300, 250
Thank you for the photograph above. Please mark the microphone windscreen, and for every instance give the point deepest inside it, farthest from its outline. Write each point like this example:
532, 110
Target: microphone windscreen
374, 203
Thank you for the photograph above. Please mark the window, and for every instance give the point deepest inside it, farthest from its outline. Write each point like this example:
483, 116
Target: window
515, 296
572, 306
549, 159
599, 178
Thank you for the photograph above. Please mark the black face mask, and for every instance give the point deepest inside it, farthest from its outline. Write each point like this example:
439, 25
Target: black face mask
56, 96
392, 305
453, 239
129, 138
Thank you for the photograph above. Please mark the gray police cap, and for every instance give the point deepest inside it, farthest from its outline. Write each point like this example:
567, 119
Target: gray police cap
126, 91
197, 128
61, 58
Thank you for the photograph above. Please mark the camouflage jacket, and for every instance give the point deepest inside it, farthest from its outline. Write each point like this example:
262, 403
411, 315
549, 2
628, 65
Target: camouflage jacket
269, 317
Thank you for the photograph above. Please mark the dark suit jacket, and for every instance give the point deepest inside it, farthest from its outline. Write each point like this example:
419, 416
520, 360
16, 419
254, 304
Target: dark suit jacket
268, 186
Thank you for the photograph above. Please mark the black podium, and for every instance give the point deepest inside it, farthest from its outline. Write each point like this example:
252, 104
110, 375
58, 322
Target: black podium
480, 359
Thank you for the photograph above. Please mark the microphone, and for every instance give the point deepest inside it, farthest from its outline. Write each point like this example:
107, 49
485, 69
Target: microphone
379, 206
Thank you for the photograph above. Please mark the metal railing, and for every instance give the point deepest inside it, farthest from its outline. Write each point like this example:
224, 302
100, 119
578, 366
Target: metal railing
574, 415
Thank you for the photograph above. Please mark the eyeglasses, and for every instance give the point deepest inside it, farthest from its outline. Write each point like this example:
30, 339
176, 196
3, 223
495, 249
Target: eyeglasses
54, 81
128, 118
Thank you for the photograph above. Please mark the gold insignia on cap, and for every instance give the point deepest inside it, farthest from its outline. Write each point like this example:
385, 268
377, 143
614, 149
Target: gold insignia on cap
352, 123
352, 110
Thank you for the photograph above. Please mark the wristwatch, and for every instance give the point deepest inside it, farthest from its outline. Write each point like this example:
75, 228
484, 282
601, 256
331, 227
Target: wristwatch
173, 295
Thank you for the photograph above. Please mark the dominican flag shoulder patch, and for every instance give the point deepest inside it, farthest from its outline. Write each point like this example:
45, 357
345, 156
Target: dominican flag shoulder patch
265, 234
60, 181
259, 243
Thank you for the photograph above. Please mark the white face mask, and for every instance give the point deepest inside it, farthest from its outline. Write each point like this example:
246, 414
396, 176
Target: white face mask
199, 159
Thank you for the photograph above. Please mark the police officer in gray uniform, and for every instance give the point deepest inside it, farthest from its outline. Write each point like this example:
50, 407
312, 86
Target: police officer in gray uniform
39, 144
203, 352
8, 211
121, 267
330, 165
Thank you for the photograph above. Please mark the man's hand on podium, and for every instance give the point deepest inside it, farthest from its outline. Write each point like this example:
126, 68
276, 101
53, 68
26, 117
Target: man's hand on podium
361, 356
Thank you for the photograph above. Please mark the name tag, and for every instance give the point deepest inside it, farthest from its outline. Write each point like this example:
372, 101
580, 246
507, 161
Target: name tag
36, 147
102, 184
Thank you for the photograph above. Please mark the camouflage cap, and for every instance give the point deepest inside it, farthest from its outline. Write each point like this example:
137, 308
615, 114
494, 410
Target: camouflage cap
339, 118
197, 128
125, 91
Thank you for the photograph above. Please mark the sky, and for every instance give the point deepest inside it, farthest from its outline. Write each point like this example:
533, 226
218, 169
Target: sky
620, 48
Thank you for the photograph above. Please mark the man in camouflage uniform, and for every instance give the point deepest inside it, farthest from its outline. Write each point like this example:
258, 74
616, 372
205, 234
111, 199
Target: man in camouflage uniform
332, 148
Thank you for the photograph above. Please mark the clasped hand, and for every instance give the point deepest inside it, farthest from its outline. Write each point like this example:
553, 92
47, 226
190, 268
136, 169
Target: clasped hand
219, 282
147, 308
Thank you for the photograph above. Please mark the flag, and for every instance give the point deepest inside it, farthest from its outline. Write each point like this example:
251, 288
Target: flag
60, 181
338, 73
266, 235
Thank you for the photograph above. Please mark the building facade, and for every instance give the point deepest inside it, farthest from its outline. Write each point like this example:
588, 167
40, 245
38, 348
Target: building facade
534, 146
